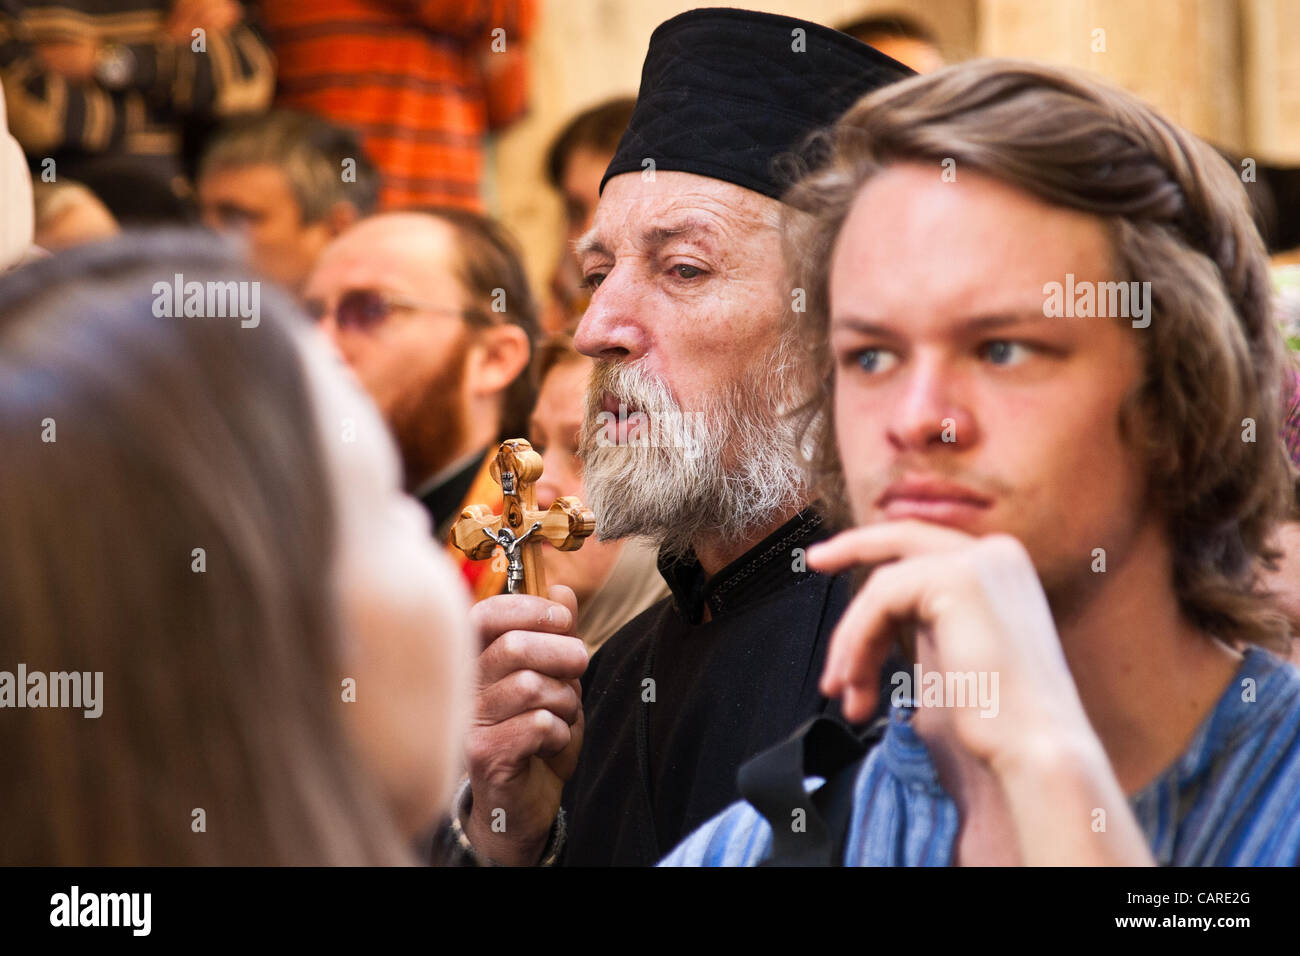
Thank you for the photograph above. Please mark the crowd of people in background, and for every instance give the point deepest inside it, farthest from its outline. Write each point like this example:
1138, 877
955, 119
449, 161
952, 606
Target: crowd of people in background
338, 151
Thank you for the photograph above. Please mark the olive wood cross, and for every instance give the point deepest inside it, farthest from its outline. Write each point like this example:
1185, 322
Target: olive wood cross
520, 529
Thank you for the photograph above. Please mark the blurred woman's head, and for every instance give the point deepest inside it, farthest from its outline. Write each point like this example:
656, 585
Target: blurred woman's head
207, 512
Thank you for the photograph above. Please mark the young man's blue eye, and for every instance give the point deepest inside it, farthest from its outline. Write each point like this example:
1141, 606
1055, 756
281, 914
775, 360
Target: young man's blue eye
1004, 353
875, 360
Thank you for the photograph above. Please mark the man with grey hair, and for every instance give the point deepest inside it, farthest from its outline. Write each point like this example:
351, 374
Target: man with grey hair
686, 443
285, 184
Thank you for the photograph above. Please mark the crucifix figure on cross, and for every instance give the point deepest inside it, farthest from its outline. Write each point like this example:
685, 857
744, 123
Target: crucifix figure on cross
521, 528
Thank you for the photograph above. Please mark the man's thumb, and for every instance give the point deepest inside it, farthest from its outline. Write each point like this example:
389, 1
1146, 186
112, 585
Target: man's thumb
563, 594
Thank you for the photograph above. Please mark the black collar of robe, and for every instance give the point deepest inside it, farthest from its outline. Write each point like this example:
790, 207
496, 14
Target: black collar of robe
444, 501
759, 572
674, 706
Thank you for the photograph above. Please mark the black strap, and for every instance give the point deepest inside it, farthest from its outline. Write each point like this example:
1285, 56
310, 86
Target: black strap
807, 830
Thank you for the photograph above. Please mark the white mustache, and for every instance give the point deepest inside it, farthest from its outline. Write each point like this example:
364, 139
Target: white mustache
745, 470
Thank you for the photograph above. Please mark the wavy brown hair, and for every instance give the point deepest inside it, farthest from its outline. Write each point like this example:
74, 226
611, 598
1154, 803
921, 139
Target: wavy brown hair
220, 685
1177, 216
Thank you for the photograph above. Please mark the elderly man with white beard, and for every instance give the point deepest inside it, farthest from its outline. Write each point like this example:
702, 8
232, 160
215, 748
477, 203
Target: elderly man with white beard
686, 326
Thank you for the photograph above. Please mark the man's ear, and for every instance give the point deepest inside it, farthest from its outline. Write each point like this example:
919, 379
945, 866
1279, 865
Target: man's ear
341, 215
498, 357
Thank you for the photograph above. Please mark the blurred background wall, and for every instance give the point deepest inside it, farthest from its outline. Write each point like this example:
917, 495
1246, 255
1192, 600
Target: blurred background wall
1227, 69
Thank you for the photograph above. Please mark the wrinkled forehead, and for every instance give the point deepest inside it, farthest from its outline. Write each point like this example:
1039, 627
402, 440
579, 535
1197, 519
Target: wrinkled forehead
650, 205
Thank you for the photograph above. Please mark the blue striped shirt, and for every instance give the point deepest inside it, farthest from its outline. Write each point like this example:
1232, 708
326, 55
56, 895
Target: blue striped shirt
1231, 799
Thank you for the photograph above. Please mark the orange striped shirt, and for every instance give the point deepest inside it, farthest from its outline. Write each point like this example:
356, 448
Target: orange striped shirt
421, 82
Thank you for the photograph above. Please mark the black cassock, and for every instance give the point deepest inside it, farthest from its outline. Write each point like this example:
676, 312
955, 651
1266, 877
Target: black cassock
673, 706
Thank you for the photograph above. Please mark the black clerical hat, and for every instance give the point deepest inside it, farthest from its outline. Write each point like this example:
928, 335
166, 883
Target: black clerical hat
724, 93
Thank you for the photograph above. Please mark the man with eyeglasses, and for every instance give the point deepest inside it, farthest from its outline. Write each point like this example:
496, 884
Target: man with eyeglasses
432, 311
